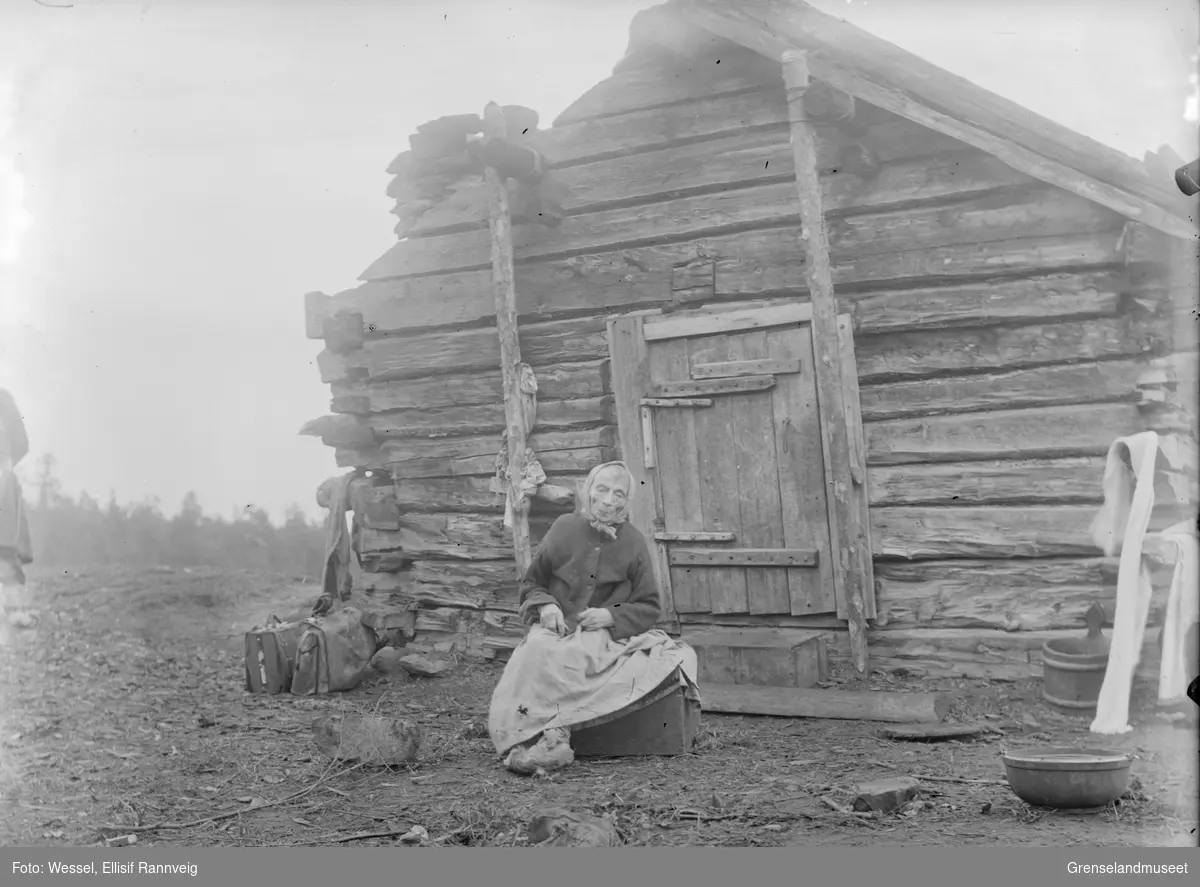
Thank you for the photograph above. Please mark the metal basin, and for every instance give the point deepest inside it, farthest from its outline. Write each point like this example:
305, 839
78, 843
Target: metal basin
1068, 778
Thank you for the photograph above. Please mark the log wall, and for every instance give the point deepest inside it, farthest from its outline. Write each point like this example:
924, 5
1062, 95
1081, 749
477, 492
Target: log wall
1001, 330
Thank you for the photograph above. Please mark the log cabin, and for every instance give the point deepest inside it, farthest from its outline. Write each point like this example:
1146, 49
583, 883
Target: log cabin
863, 331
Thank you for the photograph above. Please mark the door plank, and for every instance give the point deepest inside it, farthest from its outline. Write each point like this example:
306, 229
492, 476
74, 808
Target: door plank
627, 355
695, 537
677, 402
734, 368
701, 387
802, 473
748, 557
718, 481
758, 482
679, 475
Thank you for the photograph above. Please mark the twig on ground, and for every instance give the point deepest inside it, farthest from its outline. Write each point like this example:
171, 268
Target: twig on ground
229, 814
959, 779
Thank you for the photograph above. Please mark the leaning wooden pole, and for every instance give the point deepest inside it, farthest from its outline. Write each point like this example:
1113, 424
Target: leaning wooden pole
846, 536
504, 289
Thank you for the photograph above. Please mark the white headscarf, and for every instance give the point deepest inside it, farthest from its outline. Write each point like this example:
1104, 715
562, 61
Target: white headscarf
608, 527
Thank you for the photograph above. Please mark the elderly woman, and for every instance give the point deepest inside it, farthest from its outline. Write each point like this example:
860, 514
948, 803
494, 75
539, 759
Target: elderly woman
591, 601
14, 530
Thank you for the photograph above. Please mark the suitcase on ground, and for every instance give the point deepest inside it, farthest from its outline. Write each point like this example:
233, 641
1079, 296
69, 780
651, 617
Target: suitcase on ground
271, 657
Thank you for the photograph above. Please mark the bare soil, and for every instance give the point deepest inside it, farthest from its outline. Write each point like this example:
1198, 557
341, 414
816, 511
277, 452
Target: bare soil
123, 712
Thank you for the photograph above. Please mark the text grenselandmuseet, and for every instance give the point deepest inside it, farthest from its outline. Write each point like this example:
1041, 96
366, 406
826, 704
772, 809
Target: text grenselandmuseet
1123, 868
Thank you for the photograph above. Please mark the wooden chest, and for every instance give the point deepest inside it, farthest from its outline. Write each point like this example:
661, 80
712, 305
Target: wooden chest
667, 726
760, 657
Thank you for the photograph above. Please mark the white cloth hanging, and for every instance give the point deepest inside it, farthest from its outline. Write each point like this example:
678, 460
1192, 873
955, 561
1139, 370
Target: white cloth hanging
1121, 525
1183, 611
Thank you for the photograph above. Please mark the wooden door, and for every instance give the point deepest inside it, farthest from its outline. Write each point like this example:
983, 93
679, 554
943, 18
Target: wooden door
720, 420
736, 439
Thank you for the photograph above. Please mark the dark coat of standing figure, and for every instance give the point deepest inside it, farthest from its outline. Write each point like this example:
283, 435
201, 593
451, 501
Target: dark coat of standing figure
14, 529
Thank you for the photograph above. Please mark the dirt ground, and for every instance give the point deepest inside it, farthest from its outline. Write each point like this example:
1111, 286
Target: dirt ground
123, 712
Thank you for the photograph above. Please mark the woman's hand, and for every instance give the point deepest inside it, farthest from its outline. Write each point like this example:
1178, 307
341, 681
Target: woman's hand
551, 618
595, 618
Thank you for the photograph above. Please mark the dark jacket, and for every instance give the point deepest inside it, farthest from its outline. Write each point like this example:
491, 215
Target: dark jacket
577, 567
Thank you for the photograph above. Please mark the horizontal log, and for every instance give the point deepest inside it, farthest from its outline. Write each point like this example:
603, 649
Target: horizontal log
1086, 429
432, 353
769, 263
711, 117
924, 353
451, 421
645, 88
1013, 595
467, 494
560, 382
579, 460
1044, 386
352, 457
374, 505
467, 585
741, 159
988, 302
994, 482
1046, 210
742, 557
399, 450
340, 430
747, 265
998, 531
472, 537
972, 653
792, 702
710, 323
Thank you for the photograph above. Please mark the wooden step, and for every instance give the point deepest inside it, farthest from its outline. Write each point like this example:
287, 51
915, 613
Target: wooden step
791, 702
762, 657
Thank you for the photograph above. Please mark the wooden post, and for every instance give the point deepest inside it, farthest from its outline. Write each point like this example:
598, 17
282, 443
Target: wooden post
500, 222
846, 536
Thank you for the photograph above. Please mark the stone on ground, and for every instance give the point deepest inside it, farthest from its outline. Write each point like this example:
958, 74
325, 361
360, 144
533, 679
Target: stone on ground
558, 827
884, 795
387, 661
422, 666
369, 739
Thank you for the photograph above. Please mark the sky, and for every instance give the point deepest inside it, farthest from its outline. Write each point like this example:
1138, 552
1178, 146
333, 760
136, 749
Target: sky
174, 176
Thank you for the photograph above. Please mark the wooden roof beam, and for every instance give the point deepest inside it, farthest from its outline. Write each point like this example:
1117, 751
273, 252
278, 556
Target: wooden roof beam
882, 74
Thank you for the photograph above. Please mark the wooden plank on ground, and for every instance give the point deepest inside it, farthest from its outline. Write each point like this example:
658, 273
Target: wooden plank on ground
801, 473
791, 702
1040, 433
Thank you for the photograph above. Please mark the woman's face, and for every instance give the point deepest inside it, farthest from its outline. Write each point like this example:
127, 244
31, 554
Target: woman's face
609, 492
